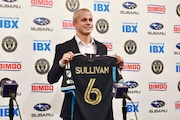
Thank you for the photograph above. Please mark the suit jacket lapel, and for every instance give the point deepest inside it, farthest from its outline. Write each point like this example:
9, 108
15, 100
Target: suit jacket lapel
74, 46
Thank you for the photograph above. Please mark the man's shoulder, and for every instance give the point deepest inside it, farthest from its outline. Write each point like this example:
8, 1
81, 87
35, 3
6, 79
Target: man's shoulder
98, 42
68, 42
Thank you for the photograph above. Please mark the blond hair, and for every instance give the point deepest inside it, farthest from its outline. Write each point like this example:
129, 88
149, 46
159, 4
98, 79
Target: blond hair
76, 13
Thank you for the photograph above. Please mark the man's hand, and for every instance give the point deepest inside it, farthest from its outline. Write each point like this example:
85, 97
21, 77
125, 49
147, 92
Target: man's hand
67, 57
120, 60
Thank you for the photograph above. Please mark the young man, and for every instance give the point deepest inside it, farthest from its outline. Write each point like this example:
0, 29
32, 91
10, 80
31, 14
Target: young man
82, 43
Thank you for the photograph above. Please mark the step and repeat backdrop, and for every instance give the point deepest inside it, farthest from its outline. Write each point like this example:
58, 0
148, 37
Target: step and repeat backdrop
146, 33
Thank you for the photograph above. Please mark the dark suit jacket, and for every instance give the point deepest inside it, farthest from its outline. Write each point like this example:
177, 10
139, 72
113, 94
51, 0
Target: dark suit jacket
56, 71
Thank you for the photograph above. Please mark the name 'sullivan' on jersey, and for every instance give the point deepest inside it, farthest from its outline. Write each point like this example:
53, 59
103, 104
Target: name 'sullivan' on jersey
92, 70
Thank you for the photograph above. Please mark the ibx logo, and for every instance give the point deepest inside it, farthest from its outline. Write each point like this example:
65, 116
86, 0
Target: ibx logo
109, 45
41, 45
42, 3
158, 86
9, 23
42, 107
156, 47
68, 24
41, 21
176, 28
4, 111
178, 67
159, 9
131, 85
101, 6
132, 108
158, 105
156, 27
129, 27
130, 6
10, 4
42, 87
178, 47
10, 66
134, 67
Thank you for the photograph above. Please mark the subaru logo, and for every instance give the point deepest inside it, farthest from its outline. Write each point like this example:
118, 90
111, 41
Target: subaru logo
129, 5
178, 46
156, 26
9, 0
41, 21
158, 103
42, 107
131, 84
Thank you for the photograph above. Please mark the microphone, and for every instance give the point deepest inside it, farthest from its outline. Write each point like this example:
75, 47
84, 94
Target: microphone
120, 89
8, 88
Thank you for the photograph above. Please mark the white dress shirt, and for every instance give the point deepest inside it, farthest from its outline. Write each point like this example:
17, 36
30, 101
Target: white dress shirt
90, 48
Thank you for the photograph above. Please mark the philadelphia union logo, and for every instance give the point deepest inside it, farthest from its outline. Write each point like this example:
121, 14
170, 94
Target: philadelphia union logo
130, 47
178, 10
42, 66
157, 67
72, 5
102, 26
179, 86
9, 44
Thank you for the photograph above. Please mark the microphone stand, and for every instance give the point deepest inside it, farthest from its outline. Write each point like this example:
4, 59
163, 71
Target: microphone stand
11, 108
124, 108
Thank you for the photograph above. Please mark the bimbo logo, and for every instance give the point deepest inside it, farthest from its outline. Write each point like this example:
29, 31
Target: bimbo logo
108, 45
176, 28
42, 3
10, 66
158, 86
42, 87
160, 9
67, 24
177, 105
132, 67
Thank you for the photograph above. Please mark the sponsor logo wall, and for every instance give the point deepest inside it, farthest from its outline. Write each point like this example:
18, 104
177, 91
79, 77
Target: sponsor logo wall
145, 33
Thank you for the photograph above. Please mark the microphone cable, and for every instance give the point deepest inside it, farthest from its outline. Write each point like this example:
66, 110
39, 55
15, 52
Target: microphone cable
124, 94
18, 108
134, 109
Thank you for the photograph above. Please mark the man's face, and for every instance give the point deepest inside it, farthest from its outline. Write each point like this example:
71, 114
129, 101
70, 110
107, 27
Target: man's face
84, 23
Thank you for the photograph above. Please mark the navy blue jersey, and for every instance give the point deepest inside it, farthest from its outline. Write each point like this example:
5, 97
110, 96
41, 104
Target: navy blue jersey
91, 79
